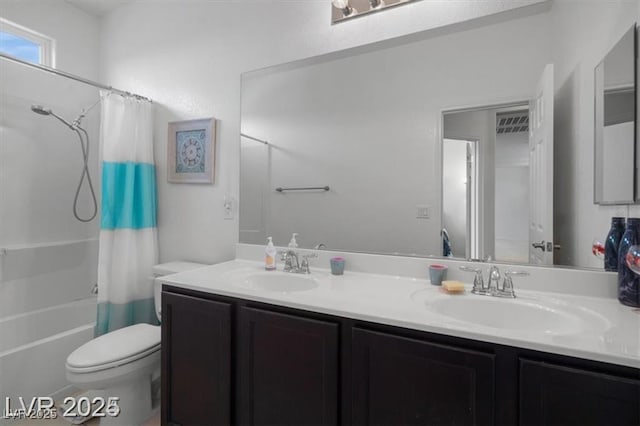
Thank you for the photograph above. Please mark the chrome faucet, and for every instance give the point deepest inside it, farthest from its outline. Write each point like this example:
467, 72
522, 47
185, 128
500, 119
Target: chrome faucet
493, 288
290, 259
293, 264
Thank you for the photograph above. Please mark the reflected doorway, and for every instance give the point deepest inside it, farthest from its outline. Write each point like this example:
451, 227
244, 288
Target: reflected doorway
459, 198
486, 183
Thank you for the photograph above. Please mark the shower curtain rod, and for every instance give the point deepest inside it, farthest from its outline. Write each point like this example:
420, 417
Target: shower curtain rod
72, 77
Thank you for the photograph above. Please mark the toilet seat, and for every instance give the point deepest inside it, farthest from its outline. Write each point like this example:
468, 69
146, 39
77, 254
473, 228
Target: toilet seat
114, 349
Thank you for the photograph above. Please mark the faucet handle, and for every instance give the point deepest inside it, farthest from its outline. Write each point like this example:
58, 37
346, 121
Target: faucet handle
305, 262
478, 281
516, 273
507, 286
282, 254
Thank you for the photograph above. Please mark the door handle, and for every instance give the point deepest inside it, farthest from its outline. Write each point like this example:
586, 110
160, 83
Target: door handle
541, 245
546, 246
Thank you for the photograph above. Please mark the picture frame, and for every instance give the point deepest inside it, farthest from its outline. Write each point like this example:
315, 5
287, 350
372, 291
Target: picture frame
191, 151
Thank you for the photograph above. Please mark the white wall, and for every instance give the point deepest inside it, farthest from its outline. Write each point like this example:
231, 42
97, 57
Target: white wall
51, 258
41, 158
189, 57
369, 130
583, 36
75, 32
254, 197
41, 163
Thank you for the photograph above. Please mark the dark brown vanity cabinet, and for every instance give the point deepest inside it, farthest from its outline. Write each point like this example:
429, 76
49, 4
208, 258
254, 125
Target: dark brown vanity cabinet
552, 394
196, 361
397, 380
228, 361
288, 369
403, 381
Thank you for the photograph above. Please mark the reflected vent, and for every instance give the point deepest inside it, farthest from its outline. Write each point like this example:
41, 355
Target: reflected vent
512, 122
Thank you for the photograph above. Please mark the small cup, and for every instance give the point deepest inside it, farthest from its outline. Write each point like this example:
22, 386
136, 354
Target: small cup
337, 265
437, 273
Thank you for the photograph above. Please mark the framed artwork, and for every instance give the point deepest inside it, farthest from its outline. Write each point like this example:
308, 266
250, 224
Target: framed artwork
191, 150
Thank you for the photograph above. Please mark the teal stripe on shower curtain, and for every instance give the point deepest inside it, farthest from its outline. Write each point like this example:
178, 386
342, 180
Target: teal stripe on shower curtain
128, 202
112, 316
128, 195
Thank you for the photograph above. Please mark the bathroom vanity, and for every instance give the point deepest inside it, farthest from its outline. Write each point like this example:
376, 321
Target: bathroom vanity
244, 346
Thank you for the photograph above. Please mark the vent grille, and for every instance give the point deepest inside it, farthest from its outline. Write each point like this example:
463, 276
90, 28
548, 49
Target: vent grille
512, 122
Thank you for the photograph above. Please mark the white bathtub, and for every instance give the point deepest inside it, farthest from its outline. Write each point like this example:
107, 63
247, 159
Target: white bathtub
35, 345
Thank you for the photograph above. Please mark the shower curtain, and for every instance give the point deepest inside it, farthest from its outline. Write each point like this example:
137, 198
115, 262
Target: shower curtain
128, 234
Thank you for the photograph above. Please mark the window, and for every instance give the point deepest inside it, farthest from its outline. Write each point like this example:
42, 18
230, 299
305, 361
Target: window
25, 44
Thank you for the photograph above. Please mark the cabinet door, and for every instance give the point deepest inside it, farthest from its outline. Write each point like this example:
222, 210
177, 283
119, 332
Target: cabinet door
556, 395
402, 381
288, 369
196, 361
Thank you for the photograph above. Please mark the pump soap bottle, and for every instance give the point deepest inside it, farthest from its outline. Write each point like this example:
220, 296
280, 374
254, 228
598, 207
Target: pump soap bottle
293, 243
270, 256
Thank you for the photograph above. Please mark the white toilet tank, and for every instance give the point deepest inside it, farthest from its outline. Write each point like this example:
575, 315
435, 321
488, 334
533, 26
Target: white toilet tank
168, 269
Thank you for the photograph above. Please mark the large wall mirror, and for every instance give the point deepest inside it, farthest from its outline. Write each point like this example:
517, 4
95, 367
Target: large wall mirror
615, 180
449, 134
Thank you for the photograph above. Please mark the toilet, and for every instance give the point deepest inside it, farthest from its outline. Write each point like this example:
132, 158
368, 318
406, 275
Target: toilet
122, 362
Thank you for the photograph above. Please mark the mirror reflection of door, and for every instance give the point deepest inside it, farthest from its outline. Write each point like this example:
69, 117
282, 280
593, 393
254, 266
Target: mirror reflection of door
459, 198
541, 246
512, 185
486, 182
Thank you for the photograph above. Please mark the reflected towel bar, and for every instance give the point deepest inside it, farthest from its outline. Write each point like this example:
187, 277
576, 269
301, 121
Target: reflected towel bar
311, 188
244, 135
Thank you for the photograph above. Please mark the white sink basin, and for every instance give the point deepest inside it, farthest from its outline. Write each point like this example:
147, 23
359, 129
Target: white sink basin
278, 282
522, 315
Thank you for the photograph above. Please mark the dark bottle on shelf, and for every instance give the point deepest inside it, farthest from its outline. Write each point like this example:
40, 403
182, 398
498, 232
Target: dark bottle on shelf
628, 281
612, 243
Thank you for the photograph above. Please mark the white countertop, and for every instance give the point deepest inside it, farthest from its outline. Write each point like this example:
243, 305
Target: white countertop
606, 330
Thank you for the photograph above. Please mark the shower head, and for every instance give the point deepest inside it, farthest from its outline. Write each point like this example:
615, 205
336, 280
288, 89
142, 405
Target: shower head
39, 109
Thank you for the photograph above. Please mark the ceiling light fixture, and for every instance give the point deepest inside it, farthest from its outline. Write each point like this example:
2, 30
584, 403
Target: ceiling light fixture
343, 5
343, 10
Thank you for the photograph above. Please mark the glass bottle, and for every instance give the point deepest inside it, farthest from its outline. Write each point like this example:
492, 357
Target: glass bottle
612, 243
628, 281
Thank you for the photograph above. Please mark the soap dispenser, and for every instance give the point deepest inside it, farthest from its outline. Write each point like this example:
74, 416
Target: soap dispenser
270, 256
293, 243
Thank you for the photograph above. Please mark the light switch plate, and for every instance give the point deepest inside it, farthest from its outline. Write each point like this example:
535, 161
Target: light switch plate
423, 211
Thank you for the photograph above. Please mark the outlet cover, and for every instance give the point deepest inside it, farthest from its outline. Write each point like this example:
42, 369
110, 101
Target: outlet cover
229, 208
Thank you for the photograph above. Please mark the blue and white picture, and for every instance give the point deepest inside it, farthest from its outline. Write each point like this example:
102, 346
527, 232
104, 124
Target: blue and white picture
190, 150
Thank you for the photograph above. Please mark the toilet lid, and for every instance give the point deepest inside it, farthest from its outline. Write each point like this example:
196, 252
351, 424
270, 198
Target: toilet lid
116, 348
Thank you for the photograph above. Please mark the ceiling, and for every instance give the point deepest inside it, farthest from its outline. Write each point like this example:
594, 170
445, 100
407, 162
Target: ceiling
98, 7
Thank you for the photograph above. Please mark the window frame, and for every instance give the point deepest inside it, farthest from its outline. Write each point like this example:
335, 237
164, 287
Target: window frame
46, 44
